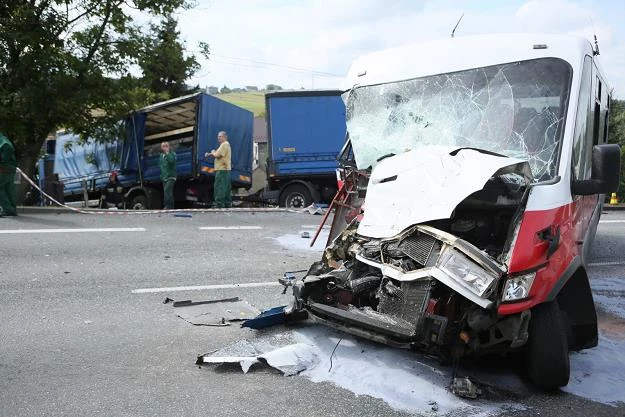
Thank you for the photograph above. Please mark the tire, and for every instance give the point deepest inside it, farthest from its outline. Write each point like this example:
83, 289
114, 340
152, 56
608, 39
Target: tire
139, 202
548, 351
296, 196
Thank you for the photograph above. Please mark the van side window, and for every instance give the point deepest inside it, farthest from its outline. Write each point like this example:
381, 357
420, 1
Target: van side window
582, 142
606, 124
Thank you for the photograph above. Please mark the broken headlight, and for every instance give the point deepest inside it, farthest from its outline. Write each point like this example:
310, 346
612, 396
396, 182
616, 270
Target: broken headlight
472, 275
518, 287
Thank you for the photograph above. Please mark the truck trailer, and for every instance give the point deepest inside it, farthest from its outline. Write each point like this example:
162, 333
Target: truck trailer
306, 131
190, 124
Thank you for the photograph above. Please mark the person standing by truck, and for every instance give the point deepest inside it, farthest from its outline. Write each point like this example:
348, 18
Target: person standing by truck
8, 165
223, 167
167, 165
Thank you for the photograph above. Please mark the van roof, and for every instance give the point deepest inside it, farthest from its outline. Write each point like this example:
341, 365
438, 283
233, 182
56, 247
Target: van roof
462, 53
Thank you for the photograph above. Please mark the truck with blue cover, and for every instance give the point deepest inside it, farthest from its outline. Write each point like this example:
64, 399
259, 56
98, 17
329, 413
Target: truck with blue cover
306, 131
190, 124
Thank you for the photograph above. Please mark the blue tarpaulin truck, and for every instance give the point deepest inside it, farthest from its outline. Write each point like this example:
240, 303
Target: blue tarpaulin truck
190, 124
306, 131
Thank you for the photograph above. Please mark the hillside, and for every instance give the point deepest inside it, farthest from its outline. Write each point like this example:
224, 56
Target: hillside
253, 101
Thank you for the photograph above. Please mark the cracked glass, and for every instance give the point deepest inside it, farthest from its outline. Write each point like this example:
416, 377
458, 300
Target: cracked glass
516, 109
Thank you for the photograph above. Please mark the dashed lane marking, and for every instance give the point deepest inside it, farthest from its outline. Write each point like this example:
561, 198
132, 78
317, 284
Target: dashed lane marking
230, 228
84, 230
206, 287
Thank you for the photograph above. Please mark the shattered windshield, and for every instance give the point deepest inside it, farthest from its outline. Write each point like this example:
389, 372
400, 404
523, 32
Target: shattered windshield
514, 109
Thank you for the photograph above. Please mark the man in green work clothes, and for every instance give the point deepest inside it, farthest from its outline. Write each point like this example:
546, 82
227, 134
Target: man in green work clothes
8, 163
223, 166
167, 163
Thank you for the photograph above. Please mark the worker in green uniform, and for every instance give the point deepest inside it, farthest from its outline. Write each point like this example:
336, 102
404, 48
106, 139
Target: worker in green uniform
8, 164
223, 165
167, 164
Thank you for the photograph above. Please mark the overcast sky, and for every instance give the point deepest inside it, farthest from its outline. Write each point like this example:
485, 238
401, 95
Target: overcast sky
311, 43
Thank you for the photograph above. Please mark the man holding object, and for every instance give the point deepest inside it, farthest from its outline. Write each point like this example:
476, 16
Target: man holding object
223, 166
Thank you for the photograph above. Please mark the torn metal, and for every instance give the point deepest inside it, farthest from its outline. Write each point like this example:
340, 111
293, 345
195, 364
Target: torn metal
290, 359
214, 312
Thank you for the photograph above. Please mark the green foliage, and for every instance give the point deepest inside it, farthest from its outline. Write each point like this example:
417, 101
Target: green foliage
66, 64
163, 62
225, 90
616, 134
273, 87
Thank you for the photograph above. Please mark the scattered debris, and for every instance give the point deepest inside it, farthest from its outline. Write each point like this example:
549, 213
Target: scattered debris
465, 388
314, 208
213, 312
305, 235
290, 359
183, 215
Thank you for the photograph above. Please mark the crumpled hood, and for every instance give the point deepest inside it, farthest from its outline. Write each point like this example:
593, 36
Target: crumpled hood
427, 184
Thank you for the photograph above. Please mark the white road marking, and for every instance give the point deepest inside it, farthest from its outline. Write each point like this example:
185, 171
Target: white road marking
206, 287
86, 230
314, 226
611, 221
231, 228
609, 263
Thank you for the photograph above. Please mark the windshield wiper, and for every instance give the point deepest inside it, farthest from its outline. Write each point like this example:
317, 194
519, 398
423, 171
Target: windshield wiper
388, 155
484, 151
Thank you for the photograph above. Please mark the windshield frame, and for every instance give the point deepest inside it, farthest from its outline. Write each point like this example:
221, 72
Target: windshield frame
553, 171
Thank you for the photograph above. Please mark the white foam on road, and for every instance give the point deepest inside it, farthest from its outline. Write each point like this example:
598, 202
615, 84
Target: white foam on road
403, 379
599, 373
299, 243
84, 230
609, 295
206, 287
230, 228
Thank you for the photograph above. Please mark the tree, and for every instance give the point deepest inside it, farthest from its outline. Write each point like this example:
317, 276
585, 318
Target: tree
66, 63
272, 87
163, 62
225, 90
616, 134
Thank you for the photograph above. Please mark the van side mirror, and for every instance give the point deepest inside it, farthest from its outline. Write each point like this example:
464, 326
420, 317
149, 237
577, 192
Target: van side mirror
606, 169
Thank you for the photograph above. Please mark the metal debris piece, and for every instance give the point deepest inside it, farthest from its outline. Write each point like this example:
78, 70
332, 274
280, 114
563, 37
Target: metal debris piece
465, 388
214, 312
305, 235
290, 359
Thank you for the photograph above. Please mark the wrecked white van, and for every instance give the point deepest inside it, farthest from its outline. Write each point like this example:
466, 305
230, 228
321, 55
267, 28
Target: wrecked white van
472, 182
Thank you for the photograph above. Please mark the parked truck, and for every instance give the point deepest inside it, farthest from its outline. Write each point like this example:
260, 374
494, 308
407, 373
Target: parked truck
306, 131
190, 124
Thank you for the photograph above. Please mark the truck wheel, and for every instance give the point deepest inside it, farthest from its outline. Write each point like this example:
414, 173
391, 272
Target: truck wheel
295, 196
139, 202
548, 351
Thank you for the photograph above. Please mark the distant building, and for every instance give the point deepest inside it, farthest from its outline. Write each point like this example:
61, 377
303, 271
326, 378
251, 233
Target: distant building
213, 90
238, 90
251, 88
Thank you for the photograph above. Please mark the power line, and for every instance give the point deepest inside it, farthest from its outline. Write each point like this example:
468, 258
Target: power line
283, 68
308, 70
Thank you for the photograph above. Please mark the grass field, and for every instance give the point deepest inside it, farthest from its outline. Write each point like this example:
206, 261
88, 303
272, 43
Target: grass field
253, 101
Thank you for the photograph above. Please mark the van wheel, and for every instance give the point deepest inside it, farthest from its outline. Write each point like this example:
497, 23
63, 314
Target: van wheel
139, 202
548, 351
295, 196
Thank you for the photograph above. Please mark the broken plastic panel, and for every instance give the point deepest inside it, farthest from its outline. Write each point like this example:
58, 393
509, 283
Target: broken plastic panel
514, 109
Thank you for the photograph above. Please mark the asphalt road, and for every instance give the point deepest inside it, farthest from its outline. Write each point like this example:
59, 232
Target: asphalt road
76, 340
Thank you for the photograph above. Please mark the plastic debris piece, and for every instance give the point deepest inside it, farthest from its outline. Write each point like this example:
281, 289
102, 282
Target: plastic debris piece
183, 215
306, 235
